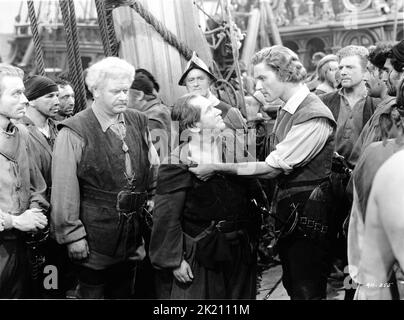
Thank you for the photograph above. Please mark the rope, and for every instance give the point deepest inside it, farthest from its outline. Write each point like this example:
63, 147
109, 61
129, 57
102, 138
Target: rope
113, 43
166, 34
40, 65
73, 53
79, 66
99, 4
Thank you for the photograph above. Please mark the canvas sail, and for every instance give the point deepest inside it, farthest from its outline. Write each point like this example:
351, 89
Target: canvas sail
142, 45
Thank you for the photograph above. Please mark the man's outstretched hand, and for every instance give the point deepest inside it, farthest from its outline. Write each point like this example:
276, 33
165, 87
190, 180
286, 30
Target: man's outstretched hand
203, 171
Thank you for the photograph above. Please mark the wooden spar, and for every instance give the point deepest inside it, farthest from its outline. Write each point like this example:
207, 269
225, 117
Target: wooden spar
250, 42
234, 47
142, 46
276, 37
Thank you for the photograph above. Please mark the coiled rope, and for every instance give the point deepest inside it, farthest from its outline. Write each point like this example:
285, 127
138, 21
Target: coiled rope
40, 65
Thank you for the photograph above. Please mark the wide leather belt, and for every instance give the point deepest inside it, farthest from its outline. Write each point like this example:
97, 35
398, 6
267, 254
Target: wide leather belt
125, 201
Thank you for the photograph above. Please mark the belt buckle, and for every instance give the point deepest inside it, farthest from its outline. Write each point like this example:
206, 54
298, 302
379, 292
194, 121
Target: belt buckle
220, 224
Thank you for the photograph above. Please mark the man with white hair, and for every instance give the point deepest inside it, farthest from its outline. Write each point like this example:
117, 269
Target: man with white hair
103, 162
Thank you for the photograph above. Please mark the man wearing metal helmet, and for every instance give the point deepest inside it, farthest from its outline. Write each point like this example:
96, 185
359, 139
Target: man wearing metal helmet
197, 78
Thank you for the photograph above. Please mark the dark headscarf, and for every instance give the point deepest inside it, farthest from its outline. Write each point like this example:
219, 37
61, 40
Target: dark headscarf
38, 86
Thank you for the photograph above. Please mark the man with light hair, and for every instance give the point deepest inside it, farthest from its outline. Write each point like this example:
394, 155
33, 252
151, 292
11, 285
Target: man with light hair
352, 107
301, 149
22, 188
103, 163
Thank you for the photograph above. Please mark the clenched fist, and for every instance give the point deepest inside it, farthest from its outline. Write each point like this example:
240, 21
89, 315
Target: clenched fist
78, 250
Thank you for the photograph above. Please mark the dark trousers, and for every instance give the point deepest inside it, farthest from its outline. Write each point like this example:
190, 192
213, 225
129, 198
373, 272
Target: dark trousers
14, 270
305, 265
145, 273
57, 256
115, 282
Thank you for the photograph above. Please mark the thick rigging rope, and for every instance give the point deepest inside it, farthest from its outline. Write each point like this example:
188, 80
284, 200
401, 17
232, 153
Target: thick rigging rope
113, 43
76, 49
73, 53
107, 30
166, 34
99, 4
40, 65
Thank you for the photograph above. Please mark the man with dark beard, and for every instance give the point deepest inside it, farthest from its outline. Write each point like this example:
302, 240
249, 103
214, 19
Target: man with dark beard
66, 100
370, 161
377, 88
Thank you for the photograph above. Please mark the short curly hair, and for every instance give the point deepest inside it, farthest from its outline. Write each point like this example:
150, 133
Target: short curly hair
361, 52
283, 61
108, 68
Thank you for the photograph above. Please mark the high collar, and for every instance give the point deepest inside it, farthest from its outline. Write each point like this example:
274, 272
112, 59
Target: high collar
296, 99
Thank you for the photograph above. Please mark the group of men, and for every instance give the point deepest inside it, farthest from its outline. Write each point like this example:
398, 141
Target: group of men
88, 179
72, 178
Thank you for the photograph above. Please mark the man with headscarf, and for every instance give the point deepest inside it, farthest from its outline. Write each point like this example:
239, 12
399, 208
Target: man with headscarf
43, 105
42, 94
143, 97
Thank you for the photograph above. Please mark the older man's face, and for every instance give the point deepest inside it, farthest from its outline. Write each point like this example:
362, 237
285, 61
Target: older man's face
198, 81
113, 95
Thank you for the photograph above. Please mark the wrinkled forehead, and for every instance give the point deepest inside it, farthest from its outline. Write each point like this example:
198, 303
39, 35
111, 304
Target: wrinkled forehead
9, 82
66, 89
353, 60
197, 73
117, 80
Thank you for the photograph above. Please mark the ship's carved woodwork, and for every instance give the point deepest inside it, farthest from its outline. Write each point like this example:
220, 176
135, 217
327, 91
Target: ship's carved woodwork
358, 38
357, 5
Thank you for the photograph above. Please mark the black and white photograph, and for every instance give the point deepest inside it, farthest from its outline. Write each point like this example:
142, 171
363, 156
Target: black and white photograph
200, 157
